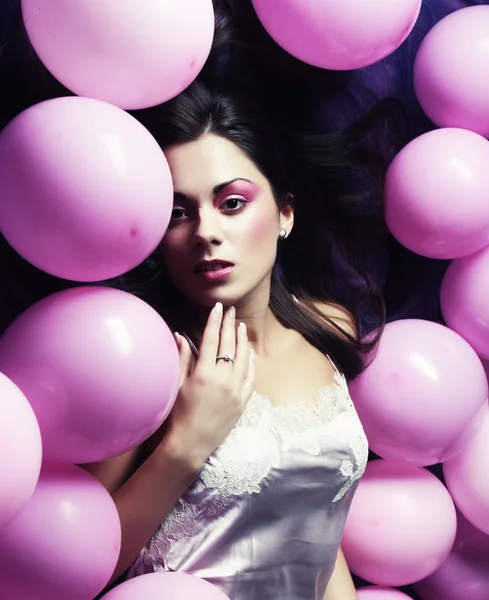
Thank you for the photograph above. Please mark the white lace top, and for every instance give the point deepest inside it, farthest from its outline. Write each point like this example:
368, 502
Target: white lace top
264, 519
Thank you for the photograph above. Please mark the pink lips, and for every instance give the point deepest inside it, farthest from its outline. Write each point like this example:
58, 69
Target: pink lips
217, 274
214, 270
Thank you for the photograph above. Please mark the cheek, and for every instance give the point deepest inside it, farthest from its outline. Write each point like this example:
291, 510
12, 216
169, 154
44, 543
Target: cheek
262, 230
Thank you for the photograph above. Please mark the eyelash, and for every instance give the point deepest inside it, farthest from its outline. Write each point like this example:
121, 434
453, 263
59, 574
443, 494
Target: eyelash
240, 200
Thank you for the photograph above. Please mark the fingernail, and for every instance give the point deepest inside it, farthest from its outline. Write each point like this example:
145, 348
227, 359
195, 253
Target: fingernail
242, 327
232, 311
218, 308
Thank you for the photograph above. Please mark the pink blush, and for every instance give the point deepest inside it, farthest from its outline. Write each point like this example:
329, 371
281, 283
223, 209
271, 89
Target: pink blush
263, 225
258, 222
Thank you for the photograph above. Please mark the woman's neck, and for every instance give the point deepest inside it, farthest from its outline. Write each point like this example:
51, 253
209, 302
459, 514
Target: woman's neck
263, 328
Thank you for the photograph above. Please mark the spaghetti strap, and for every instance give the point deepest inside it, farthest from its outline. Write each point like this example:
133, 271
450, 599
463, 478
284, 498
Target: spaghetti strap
296, 300
332, 363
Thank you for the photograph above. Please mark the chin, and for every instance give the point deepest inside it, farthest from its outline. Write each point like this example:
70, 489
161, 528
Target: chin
230, 294
209, 298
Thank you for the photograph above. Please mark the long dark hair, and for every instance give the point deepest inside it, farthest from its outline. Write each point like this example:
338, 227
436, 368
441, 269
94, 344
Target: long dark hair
335, 179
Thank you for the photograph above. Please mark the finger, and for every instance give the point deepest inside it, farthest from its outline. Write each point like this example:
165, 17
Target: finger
249, 382
185, 353
242, 358
227, 342
210, 339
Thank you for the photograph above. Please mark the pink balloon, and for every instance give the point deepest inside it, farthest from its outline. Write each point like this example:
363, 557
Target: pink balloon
20, 450
131, 54
339, 35
450, 71
436, 194
410, 397
66, 541
100, 368
466, 477
86, 191
401, 525
464, 295
465, 574
161, 585
380, 593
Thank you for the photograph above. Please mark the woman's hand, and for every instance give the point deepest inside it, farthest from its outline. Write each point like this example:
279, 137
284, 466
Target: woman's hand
213, 393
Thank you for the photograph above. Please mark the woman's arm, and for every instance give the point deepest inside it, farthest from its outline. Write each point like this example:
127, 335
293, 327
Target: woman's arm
113, 472
340, 586
148, 496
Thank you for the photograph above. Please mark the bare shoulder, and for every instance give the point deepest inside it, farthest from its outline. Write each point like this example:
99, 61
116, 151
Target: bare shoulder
339, 315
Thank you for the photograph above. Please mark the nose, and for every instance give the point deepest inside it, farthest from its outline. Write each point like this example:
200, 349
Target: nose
208, 230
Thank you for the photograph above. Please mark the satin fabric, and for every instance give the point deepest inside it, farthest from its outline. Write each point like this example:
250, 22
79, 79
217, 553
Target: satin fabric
265, 517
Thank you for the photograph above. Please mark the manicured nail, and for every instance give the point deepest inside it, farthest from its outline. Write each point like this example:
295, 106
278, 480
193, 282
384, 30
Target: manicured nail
242, 327
218, 308
232, 311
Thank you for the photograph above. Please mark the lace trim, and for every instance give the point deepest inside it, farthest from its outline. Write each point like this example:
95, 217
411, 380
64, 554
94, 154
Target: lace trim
297, 415
181, 523
355, 438
331, 413
230, 473
263, 426
263, 430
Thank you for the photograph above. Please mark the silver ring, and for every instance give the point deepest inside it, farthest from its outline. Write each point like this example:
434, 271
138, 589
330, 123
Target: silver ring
226, 357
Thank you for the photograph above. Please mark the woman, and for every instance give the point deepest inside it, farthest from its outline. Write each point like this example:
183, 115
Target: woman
266, 272
249, 483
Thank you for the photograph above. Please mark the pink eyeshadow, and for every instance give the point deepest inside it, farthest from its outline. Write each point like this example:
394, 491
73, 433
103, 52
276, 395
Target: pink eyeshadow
242, 188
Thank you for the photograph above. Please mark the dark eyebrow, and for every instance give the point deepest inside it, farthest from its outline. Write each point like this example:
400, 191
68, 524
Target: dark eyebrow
224, 185
216, 190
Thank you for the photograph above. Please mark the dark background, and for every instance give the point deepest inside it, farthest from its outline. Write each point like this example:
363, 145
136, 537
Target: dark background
412, 282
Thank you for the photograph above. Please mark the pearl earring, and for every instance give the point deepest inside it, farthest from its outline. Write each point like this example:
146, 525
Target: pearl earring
283, 234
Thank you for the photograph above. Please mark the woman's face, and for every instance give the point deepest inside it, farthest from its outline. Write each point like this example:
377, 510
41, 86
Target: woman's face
222, 239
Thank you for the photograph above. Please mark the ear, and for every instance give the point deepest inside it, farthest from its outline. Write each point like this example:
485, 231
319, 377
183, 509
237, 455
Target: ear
287, 215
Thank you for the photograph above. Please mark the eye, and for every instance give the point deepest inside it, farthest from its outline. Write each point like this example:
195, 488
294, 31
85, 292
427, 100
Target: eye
178, 213
233, 204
